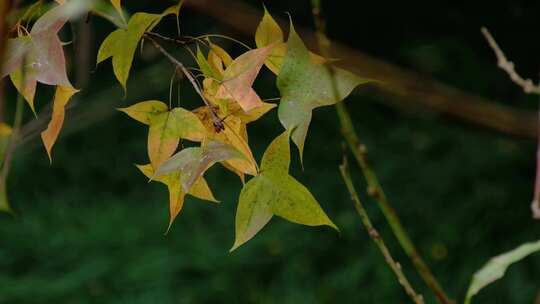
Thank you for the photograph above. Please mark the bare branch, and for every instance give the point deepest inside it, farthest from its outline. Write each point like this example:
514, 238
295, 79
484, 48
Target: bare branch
506, 65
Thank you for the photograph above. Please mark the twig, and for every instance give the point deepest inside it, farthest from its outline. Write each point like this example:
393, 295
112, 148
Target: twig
528, 87
178, 41
218, 123
508, 66
375, 236
374, 188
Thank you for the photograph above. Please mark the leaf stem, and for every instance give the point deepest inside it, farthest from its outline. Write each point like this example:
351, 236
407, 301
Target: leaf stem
375, 236
218, 123
374, 187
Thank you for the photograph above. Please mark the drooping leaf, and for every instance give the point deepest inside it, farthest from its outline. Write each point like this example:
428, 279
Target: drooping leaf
240, 75
122, 44
496, 267
145, 111
61, 99
305, 85
275, 192
193, 162
199, 189
269, 32
165, 132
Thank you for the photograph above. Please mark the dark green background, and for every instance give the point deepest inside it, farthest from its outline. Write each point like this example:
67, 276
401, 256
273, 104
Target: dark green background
89, 228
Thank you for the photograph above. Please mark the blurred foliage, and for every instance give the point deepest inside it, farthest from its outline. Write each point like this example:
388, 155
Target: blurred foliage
89, 228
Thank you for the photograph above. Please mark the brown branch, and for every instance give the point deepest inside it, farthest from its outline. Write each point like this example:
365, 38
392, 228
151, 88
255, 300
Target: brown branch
410, 88
218, 123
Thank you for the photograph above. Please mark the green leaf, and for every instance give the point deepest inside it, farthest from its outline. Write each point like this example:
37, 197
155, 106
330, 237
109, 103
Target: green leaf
204, 65
496, 267
269, 32
305, 85
193, 162
275, 192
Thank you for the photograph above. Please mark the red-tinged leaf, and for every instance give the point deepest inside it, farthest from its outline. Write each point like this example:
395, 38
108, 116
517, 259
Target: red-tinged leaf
193, 162
238, 78
61, 99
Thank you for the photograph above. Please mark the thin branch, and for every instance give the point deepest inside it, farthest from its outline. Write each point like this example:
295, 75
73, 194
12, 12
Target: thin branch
376, 237
178, 41
218, 123
508, 66
374, 187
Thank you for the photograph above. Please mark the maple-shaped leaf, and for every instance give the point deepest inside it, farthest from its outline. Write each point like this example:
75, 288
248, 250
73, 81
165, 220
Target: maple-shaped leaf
61, 99
193, 162
239, 76
275, 192
268, 32
122, 43
166, 128
41, 53
199, 190
305, 85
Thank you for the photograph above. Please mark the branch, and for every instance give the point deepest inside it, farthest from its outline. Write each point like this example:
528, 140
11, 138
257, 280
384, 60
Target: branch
405, 87
218, 123
376, 237
530, 88
508, 66
374, 187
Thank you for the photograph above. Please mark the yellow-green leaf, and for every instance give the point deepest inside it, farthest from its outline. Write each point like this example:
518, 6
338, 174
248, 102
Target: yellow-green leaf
199, 189
165, 132
122, 44
145, 111
61, 99
275, 192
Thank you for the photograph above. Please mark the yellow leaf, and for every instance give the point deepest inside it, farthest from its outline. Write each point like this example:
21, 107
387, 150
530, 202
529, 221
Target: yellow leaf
117, 4
61, 99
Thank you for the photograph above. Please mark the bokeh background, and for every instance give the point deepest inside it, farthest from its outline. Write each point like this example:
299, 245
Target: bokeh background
89, 228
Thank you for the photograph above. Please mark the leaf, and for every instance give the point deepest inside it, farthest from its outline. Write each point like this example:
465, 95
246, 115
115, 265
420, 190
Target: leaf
145, 111
193, 162
61, 99
117, 4
165, 132
205, 67
275, 192
305, 85
5, 135
495, 268
199, 189
268, 32
122, 44
240, 75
